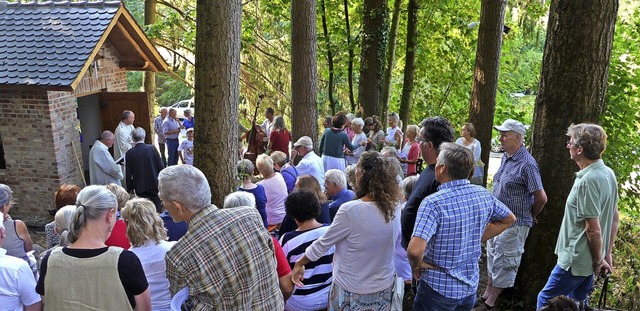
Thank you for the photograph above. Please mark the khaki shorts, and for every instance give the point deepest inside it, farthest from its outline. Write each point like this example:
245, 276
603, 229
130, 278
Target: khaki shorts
504, 253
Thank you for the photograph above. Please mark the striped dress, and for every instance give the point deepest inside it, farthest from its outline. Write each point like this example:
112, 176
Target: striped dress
314, 295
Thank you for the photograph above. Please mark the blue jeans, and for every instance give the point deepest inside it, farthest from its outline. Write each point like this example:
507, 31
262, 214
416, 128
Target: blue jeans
428, 299
562, 282
172, 150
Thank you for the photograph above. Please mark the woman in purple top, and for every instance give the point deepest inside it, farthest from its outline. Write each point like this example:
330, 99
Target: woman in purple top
245, 172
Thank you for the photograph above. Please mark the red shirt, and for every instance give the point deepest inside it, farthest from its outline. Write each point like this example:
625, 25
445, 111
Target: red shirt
280, 141
283, 264
414, 153
118, 235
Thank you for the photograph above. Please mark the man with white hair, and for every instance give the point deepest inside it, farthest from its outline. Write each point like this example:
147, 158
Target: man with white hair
143, 166
518, 185
335, 187
103, 169
311, 163
17, 285
157, 127
226, 256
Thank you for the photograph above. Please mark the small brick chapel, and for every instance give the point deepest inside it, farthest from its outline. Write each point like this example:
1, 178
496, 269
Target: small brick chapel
63, 68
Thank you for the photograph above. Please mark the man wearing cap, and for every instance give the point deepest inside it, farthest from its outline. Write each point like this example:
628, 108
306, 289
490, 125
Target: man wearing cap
311, 163
517, 184
17, 285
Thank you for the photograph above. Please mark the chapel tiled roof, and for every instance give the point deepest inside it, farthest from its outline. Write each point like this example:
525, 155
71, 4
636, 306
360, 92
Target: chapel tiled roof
47, 44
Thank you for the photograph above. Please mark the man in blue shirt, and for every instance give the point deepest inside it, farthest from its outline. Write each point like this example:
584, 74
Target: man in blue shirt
450, 227
434, 131
335, 187
517, 184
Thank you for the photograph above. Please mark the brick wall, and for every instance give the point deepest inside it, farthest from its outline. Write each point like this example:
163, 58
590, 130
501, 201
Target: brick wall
41, 138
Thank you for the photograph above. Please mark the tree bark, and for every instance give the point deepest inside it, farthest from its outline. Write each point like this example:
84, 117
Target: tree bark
485, 75
149, 82
217, 75
391, 53
573, 84
352, 100
410, 62
304, 114
374, 43
325, 30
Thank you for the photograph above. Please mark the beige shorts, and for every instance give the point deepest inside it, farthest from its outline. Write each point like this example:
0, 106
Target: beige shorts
504, 253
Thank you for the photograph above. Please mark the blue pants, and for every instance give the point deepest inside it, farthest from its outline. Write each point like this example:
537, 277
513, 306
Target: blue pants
562, 282
428, 299
172, 150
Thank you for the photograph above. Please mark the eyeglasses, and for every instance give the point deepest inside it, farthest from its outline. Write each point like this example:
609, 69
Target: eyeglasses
570, 144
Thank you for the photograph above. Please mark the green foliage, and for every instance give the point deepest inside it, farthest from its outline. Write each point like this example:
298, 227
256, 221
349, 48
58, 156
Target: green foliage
620, 118
624, 283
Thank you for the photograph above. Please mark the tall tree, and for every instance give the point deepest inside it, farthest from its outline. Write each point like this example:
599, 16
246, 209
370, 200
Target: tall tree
391, 53
485, 75
217, 89
372, 60
304, 114
572, 89
409, 62
352, 100
150, 76
327, 39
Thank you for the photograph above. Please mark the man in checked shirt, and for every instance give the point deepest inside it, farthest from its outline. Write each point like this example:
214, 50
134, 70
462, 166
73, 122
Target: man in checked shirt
517, 184
450, 227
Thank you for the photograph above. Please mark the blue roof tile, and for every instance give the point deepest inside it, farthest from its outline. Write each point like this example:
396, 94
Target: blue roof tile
47, 44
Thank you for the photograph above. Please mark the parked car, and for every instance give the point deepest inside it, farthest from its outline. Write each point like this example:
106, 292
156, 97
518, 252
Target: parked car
182, 105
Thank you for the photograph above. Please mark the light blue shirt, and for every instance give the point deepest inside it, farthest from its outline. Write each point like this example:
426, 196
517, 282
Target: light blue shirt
452, 222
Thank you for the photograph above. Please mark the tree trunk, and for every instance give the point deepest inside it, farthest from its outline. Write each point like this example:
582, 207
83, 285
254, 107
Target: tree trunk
410, 62
391, 52
217, 74
572, 89
332, 101
352, 100
485, 75
304, 114
150, 76
374, 43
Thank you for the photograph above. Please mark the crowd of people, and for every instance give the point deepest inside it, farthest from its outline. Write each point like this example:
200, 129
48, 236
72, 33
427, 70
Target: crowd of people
359, 225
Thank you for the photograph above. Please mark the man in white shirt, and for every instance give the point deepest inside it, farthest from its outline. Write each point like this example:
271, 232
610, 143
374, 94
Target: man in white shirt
268, 122
102, 168
123, 141
17, 285
311, 163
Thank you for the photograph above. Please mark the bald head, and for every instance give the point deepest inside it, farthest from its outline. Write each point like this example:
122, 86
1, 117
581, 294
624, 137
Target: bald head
107, 138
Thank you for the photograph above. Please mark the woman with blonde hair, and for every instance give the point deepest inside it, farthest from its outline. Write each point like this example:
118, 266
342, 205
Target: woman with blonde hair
148, 239
279, 138
364, 233
410, 151
276, 190
93, 275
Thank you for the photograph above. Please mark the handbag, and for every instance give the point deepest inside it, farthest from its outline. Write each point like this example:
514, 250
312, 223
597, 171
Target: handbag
397, 296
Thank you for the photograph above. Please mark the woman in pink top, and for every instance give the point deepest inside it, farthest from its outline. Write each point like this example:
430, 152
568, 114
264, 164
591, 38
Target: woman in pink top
410, 151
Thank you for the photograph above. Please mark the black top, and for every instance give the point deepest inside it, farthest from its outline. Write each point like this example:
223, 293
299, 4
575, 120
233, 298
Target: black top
289, 224
129, 269
426, 185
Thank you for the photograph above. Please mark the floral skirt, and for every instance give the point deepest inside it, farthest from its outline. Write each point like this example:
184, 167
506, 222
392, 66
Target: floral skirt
343, 300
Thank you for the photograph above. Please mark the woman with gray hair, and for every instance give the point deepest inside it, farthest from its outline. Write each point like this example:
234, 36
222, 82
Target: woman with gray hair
93, 275
189, 120
245, 173
18, 241
148, 239
359, 139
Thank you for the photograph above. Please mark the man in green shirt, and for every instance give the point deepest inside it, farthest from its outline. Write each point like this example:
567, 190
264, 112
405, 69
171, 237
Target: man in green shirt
590, 222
